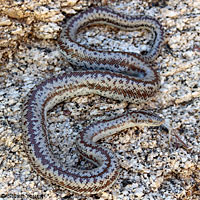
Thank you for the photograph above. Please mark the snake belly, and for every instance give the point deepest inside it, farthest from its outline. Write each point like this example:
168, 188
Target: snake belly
117, 75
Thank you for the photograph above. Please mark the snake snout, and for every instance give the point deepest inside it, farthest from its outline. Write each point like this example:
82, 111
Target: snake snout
155, 120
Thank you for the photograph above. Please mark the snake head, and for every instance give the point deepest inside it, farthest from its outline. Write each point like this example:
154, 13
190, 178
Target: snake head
145, 118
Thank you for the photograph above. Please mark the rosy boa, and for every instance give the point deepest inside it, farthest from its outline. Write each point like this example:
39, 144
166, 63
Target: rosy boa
118, 75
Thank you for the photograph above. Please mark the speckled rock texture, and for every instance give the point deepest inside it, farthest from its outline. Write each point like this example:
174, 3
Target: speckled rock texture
154, 165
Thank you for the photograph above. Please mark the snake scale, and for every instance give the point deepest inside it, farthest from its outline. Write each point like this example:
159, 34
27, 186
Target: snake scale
118, 75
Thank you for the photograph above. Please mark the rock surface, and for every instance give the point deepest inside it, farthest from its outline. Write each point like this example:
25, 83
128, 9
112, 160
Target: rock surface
154, 165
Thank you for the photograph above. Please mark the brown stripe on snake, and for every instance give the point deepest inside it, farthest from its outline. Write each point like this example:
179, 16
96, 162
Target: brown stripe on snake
118, 75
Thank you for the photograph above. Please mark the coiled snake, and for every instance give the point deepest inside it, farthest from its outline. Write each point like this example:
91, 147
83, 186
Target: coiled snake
117, 75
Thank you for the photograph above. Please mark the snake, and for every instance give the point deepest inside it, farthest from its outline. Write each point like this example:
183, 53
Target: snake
119, 75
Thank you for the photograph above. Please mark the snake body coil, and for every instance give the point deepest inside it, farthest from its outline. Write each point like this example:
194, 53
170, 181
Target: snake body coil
117, 75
